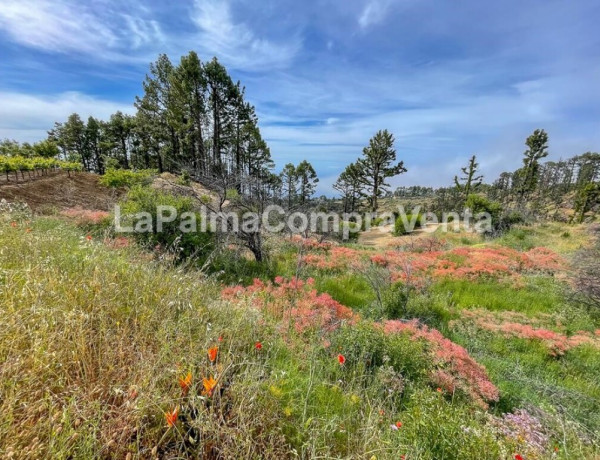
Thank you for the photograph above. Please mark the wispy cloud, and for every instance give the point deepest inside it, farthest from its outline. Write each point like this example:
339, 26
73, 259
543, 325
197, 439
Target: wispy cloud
235, 42
373, 12
67, 26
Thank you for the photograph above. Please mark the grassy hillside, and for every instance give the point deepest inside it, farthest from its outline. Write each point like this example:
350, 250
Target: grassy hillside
102, 342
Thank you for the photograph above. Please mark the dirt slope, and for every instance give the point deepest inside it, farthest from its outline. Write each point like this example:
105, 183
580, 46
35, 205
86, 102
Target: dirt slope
58, 191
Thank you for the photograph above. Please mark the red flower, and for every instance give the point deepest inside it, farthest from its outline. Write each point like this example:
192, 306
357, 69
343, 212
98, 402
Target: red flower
171, 417
212, 354
258, 346
341, 359
439, 390
518, 457
88, 237
399, 424
220, 338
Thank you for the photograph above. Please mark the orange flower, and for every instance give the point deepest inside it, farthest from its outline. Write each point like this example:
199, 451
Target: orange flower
398, 424
13, 224
171, 417
212, 353
341, 359
220, 338
209, 385
439, 390
258, 346
88, 237
185, 383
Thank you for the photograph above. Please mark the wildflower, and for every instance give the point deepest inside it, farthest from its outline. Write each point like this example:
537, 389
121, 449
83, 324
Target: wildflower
220, 339
185, 383
13, 224
209, 385
398, 424
212, 353
258, 346
341, 359
381, 412
88, 237
518, 457
394, 427
438, 389
171, 417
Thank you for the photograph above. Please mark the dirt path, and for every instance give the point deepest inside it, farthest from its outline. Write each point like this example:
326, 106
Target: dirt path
382, 237
59, 191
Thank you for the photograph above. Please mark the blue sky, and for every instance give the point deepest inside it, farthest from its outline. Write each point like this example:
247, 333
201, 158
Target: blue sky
449, 79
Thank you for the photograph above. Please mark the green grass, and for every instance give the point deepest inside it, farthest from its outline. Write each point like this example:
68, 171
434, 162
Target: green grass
350, 290
538, 295
93, 340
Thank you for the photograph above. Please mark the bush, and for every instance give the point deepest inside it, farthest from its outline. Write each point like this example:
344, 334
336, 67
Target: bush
401, 229
127, 177
146, 200
479, 204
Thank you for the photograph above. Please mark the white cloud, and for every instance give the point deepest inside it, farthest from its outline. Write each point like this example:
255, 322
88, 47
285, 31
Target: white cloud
27, 117
235, 43
373, 13
71, 26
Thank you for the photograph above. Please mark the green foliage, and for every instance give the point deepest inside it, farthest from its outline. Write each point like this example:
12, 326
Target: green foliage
127, 178
402, 228
35, 164
366, 348
184, 179
140, 199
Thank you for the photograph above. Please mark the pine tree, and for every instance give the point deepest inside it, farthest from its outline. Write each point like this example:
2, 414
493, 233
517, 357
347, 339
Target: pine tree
308, 180
470, 181
537, 145
378, 164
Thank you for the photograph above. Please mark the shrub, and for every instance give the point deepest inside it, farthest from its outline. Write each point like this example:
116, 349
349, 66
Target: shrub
126, 177
400, 228
184, 179
141, 199
366, 347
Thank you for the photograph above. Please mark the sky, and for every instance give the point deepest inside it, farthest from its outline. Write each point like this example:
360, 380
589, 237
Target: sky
448, 79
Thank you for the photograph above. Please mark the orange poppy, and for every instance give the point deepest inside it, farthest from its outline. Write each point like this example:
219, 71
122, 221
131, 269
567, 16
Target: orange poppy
212, 354
185, 383
258, 346
209, 385
341, 359
399, 424
171, 417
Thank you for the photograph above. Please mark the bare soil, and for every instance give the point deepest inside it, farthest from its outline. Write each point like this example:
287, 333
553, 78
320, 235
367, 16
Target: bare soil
58, 191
